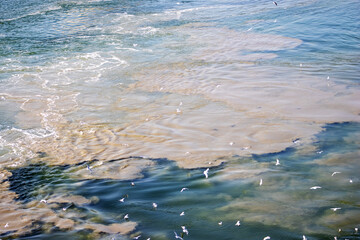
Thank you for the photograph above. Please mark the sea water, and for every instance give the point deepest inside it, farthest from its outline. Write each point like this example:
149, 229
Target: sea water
107, 107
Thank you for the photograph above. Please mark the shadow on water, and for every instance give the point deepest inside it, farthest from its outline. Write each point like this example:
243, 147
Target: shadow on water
206, 205
26, 181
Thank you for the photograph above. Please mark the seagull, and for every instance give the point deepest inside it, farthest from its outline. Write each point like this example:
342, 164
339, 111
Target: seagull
261, 182
220, 223
335, 173
266, 238
315, 187
88, 168
132, 184
277, 162
137, 237
182, 213
356, 230
231, 143
206, 173
122, 200
6, 225
65, 208
304, 238
350, 181
185, 230
237, 223
183, 189
275, 3
43, 201
154, 205
177, 236
335, 209
126, 217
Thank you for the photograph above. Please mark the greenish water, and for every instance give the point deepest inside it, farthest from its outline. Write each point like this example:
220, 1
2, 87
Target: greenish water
283, 207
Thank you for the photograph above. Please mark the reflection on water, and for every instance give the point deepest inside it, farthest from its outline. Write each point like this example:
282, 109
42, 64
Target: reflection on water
105, 100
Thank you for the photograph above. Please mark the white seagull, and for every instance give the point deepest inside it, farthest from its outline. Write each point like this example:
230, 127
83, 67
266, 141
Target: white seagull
65, 208
185, 230
304, 238
154, 205
237, 223
182, 213
315, 187
220, 223
206, 173
43, 201
177, 236
183, 189
277, 162
137, 237
335, 209
261, 182
126, 217
335, 173
266, 238
122, 200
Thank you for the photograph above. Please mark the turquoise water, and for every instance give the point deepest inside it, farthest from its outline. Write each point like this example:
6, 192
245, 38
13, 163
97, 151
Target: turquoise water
205, 202
134, 100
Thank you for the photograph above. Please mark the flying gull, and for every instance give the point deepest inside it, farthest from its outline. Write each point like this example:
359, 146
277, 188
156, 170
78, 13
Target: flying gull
206, 173
177, 236
185, 230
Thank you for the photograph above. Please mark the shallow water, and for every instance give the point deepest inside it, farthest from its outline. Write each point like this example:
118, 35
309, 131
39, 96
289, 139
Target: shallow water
283, 207
95, 95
